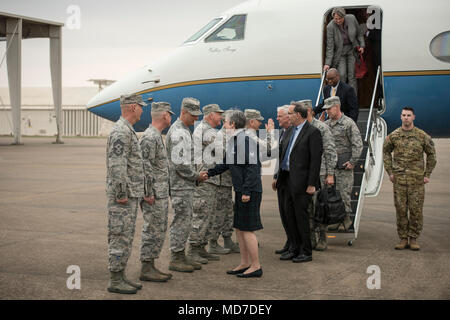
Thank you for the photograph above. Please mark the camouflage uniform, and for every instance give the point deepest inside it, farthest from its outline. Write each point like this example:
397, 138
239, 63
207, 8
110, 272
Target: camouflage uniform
204, 214
329, 158
182, 177
408, 169
347, 138
223, 224
124, 179
265, 142
156, 170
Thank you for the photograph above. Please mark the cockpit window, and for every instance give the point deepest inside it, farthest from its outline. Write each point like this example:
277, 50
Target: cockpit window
231, 30
440, 46
203, 30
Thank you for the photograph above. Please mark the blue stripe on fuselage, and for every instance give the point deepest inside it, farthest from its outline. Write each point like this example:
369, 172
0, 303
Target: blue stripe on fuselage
428, 95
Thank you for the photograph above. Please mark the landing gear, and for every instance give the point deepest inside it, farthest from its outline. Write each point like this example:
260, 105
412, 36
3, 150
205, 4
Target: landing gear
350, 243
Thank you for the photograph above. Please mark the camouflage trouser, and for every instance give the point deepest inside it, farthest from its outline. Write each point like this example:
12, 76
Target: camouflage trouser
121, 226
204, 214
182, 204
409, 198
311, 209
223, 225
344, 183
154, 228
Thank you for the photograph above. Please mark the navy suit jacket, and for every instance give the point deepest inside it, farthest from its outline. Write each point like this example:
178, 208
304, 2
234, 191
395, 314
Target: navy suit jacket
304, 161
347, 95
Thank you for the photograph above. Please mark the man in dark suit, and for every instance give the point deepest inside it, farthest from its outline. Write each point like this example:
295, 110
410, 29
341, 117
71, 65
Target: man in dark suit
298, 179
284, 123
346, 94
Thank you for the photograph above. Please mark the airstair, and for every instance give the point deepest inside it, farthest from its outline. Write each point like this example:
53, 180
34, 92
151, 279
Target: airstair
368, 172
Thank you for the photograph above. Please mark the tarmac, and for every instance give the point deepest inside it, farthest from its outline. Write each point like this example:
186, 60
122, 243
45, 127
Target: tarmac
53, 216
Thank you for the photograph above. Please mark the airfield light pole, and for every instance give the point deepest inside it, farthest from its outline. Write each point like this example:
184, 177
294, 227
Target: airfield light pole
101, 83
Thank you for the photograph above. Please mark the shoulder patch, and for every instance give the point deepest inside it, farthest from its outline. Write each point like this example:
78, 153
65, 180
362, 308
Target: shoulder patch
146, 152
118, 147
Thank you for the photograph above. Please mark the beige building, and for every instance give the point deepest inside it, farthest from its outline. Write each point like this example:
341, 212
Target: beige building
38, 114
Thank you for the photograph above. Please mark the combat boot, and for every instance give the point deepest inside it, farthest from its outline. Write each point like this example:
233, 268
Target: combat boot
322, 245
177, 262
403, 244
194, 254
345, 226
205, 254
150, 273
131, 283
413, 245
215, 248
229, 244
188, 260
118, 285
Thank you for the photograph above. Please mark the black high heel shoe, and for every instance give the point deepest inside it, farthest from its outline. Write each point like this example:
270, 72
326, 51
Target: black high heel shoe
233, 272
255, 274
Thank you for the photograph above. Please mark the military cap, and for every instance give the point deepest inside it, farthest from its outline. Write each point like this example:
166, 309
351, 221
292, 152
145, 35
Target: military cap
253, 114
307, 103
211, 108
161, 106
191, 105
132, 99
331, 101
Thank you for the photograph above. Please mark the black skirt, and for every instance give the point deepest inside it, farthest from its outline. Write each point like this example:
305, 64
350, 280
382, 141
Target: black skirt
246, 215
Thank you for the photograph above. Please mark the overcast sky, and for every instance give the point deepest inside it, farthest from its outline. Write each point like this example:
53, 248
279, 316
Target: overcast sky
115, 37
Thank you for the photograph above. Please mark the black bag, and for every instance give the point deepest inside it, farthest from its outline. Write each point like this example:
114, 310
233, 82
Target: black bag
330, 209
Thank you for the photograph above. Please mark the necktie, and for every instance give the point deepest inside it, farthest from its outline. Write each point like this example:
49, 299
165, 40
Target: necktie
281, 135
285, 164
333, 92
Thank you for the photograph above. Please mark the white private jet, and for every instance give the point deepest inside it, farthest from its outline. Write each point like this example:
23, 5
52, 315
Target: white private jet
266, 53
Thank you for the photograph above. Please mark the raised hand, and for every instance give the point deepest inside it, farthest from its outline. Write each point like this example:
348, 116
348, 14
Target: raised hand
270, 125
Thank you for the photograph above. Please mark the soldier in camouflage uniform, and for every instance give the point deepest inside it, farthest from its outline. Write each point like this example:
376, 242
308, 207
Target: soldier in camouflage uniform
124, 186
327, 171
223, 224
155, 204
183, 177
205, 193
266, 142
409, 176
347, 138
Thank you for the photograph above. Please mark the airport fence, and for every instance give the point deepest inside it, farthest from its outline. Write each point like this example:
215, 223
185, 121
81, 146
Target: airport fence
41, 121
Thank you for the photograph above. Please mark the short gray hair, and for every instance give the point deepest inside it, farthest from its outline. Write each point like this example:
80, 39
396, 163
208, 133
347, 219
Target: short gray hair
237, 117
339, 11
284, 108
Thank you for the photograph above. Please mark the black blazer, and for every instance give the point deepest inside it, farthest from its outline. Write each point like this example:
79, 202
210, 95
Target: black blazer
245, 165
347, 95
305, 159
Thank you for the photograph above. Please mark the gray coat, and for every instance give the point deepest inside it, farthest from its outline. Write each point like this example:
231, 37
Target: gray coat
335, 42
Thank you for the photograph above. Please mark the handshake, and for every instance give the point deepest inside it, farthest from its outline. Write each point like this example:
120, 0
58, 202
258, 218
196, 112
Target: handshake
203, 176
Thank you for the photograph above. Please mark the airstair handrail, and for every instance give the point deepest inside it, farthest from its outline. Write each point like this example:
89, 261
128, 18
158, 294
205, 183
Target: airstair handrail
321, 86
372, 103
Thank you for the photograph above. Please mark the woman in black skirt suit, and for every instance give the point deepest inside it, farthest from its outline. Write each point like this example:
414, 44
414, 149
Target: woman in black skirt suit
243, 161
